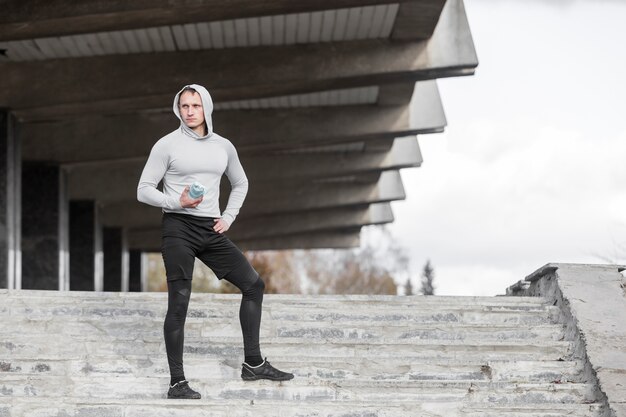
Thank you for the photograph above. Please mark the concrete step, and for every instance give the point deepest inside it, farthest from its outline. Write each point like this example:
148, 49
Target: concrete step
420, 314
301, 389
294, 300
128, 329
387, 369
55, 407
349, 317
86, 354
533, 410
214, 306
43, 347
291, 299
154, 299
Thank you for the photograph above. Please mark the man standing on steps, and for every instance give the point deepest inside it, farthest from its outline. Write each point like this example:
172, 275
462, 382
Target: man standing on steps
193, 228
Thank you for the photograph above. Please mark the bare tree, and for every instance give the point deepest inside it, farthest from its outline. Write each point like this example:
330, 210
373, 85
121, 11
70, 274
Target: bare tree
618, 255
369, 269
347, 272
408, 287
428, 276
278, 270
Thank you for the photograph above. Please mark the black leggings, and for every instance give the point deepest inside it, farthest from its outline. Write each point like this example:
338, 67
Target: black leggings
251, 286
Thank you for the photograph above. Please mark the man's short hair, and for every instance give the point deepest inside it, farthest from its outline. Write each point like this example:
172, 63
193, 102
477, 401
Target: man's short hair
186, 90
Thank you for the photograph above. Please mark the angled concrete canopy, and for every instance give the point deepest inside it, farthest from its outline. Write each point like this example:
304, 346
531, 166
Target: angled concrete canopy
40, 19
336, 239
118, 83
140, 218
144, 235
127, 136
322, 101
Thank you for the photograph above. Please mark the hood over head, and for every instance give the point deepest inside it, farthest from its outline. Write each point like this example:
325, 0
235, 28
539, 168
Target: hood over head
207, 105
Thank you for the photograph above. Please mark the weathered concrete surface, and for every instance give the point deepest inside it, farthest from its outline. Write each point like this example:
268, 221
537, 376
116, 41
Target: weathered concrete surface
594, 294
47, 18
417, 19
119, 83
353, 356
133, 135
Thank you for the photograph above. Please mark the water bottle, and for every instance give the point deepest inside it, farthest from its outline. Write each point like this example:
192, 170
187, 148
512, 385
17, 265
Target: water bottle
196, 190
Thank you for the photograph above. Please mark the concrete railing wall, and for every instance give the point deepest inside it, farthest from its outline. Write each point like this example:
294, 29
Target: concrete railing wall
592, 303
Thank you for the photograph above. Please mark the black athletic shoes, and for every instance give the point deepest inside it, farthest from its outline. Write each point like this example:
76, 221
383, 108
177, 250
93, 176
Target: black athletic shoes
181, 390
263, 371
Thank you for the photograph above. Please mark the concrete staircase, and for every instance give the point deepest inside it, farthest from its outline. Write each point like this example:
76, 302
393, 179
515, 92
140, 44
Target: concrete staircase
86, 354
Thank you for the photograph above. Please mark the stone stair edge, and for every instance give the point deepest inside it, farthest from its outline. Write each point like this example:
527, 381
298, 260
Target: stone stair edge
311, 377
289, 297
269, 300
287, 308
20, 321
310, 381
285, 312
316, 361
311, 395
238, 402
290, 341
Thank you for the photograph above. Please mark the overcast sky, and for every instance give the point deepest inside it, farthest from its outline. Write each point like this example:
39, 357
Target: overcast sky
532, 166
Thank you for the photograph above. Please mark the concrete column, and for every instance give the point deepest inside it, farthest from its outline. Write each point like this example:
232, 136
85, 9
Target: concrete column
145, 267
64, 232
83, 224
135, 259
125, 262
10, 184
115, 251
44, 227
99, 261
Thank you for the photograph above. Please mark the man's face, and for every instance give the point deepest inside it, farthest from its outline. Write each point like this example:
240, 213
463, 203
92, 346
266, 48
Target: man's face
190, 107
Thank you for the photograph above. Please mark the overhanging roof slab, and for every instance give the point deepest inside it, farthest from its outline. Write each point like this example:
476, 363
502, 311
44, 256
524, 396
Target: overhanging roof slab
47, 18
140, 216
111, 83
97, 138
150, 240
341, 239
83, 185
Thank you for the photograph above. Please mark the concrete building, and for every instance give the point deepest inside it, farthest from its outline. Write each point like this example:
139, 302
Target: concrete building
323, 101
315, 95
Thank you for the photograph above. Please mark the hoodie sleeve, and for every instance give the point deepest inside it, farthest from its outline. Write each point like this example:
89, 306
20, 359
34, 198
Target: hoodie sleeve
152, 174
238, 183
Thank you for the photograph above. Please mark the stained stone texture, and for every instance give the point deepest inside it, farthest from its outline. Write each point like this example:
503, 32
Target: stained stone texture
82, 223
352, 356
40, 226
134, 260
112, 249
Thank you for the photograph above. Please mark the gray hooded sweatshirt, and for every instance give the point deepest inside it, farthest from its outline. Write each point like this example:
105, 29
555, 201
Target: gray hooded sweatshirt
182, 157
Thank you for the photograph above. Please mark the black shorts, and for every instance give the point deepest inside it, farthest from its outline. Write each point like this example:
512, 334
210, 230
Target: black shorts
185, 237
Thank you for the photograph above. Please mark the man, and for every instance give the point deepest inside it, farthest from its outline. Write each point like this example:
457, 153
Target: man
194, 228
